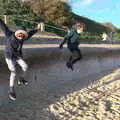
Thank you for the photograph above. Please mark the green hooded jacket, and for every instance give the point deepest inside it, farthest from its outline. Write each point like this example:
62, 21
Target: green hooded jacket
72, 38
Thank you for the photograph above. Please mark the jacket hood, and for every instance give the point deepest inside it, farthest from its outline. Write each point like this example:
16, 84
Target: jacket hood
21, 29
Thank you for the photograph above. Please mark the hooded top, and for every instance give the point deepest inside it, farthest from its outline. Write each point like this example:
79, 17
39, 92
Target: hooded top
21, 29
72, 38
13, 49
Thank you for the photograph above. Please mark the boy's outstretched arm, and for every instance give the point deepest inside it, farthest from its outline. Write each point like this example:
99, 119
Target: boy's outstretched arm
32, 32
5, 29
62, 43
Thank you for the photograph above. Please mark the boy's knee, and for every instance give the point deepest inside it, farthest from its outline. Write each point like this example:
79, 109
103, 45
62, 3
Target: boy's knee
80, 57
12, 69
23, 65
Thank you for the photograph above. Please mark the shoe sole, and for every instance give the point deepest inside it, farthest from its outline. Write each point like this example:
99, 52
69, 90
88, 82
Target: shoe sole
26, 84
11, 98
20, 83
69, 66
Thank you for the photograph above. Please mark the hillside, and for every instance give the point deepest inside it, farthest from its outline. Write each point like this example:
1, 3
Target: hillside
91, 25
110, 25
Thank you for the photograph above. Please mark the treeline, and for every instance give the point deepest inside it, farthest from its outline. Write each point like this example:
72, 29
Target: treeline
53, 12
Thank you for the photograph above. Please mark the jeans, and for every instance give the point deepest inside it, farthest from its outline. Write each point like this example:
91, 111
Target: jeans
12, 67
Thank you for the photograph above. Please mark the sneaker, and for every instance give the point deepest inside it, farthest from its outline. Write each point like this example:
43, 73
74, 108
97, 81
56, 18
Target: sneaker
12, 94
69, 65
22, 81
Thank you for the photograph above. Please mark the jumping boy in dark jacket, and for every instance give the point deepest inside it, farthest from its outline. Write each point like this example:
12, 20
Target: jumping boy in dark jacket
73, 41
13, 53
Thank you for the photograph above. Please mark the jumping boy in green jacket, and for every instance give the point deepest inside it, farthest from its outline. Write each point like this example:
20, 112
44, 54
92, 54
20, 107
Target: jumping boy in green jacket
73, 41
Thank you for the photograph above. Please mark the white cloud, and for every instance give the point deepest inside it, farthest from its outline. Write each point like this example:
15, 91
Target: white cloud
82, 3
86, 2
98, 11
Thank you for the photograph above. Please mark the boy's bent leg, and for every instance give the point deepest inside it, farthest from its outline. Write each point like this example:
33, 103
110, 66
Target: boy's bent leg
11, 67
22, 64
79, 55
24, 67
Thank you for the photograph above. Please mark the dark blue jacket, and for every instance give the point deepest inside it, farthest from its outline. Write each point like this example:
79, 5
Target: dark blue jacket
13, 49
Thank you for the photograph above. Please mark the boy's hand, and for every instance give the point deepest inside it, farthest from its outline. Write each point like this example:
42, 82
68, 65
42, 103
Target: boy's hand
38, 26
61, 46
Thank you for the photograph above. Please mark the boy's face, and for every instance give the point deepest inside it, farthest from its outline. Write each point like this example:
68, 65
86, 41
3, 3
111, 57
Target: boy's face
80, 29
20, 36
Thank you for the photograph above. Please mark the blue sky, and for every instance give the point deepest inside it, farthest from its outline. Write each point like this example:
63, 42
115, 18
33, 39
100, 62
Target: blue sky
98, 10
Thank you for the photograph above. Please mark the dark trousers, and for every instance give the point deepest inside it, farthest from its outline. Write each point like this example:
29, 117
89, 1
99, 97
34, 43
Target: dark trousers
75, 55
